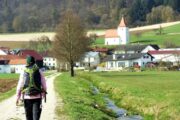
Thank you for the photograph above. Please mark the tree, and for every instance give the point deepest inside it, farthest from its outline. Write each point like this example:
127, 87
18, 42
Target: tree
40, 44
160, 14
70, 40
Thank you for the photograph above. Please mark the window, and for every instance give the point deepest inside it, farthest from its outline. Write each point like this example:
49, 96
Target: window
111, 64
49, 64
53, 59
53, 64
145, 56
121, 64
44, 59
135, 63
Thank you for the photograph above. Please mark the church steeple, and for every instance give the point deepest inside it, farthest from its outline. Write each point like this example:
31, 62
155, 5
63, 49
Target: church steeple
122, 23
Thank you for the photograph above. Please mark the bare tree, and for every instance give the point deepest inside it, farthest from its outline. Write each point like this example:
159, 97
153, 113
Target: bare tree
40, 44
70, 40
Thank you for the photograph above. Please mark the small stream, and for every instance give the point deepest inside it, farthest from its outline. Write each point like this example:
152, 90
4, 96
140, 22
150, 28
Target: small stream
120, 112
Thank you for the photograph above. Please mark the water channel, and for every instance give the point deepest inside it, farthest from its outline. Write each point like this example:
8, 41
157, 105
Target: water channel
121, 113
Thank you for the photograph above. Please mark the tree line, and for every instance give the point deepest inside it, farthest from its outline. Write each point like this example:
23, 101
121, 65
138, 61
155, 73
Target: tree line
44, 15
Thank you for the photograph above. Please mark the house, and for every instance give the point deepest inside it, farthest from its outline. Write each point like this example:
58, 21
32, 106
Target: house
166, 56
49, 61
119, 36
120, 61
4, 50
17, 65
90, 59
12, 64
24, 53
137, 48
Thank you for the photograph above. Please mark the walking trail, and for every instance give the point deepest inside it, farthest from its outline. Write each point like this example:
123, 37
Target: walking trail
9, 110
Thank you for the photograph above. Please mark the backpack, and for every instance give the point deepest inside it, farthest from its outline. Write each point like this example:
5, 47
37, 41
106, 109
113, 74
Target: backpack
32, 81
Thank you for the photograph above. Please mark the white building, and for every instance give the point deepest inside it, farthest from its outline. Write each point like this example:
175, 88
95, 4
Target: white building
166, 56
119, 36
12, 64
50, 62
120, 61
17, 65
5, 69
90, 59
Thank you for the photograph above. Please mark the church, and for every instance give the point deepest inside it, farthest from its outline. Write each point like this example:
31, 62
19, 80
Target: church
119, 36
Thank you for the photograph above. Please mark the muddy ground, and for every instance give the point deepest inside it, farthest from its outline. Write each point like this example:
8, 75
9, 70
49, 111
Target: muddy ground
7, 84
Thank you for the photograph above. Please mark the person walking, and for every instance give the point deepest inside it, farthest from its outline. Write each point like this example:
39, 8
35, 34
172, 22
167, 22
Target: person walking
31, 89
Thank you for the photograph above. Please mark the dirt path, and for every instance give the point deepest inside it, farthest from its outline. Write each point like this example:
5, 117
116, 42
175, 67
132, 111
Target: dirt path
9, 111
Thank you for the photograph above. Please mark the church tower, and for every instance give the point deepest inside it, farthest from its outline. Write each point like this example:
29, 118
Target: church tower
123, 32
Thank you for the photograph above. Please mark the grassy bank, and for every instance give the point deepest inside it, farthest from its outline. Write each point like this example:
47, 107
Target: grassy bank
7, 85
78, 99
154, 95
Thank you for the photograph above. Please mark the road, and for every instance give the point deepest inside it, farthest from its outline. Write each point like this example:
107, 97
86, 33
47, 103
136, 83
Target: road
9, 110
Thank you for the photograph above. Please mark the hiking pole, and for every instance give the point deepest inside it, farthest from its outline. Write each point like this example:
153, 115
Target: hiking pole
45, 97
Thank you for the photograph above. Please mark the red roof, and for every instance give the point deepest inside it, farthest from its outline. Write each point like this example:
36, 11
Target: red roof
13, 59
111, 33
17, 62
9, 57
25, 53
100, 49
164, 52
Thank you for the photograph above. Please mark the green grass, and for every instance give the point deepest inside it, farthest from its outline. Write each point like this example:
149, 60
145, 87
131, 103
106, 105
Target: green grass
171, 33
154, 95
99, 41
9, 76
78, 99
5, 77
172, 29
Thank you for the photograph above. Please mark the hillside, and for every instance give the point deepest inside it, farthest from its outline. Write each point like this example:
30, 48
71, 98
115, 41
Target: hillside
169, 34
43, 15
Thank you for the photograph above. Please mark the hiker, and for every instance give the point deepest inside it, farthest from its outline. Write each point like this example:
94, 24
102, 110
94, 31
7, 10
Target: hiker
31, 89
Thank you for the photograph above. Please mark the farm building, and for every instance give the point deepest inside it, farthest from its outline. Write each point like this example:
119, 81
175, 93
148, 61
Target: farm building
166, 56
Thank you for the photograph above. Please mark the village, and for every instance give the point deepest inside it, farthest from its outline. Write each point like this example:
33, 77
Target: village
89, 59
123, 57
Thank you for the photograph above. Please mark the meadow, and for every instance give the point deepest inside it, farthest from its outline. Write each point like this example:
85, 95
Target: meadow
154, 95
170, 34
7, 85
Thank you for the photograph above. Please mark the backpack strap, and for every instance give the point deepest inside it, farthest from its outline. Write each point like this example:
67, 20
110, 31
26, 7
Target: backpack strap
31, 71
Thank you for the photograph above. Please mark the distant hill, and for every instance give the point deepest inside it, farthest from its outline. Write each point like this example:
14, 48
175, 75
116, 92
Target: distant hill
18, 16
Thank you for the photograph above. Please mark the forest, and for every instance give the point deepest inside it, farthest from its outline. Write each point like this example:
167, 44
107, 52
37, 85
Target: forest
44, 15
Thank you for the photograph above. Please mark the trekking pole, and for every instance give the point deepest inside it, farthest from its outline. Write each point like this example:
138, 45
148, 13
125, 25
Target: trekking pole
45, 97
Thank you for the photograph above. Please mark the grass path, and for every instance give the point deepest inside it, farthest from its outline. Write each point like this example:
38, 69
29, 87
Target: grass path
9, 111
